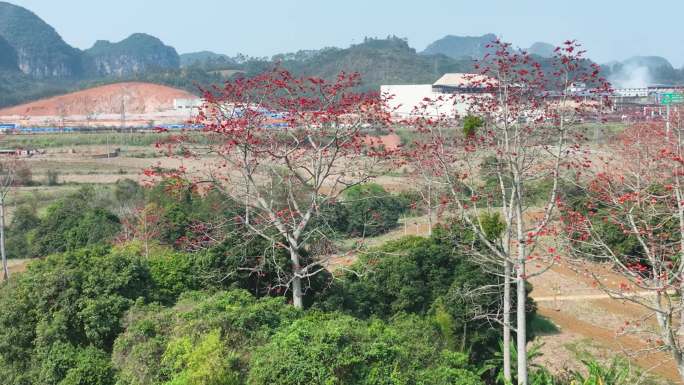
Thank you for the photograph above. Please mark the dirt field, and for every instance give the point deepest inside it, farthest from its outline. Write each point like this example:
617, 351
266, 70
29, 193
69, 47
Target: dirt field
589, 321
17, 265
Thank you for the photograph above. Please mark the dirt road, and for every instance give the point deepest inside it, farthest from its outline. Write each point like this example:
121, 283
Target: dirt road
590, 320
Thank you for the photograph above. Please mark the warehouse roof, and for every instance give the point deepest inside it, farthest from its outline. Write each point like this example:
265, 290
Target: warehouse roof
463, 80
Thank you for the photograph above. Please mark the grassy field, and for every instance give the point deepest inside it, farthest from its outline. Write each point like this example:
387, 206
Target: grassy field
52, 141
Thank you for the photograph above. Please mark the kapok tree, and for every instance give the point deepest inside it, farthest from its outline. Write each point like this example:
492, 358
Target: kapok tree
632, 217
8, 179
286, 148
529, 113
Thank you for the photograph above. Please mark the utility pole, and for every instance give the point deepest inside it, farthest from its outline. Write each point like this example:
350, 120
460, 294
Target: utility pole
123, 112
667, 124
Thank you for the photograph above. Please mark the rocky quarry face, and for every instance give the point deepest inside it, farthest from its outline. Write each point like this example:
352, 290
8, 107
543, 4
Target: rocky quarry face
30, 45
137, 53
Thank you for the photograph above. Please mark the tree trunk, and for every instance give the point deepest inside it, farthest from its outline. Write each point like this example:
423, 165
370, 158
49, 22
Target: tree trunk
521, 324
297, 296
507, 322
681, 306
5, 269
667, 333
521, 278
430, 208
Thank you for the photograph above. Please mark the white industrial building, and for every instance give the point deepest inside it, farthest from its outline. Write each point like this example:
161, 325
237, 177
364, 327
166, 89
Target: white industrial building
187, 104
445, 97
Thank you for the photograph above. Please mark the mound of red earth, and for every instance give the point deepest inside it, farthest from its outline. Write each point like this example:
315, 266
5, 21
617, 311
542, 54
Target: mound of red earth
138, 98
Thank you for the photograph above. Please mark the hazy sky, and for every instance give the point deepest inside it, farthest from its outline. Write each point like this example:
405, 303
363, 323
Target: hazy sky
609, 29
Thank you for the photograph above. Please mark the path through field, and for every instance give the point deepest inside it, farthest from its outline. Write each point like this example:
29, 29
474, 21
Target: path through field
589, 320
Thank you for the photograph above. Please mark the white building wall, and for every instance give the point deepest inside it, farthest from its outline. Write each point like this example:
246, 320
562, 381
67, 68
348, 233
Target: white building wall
405, 98
186, 104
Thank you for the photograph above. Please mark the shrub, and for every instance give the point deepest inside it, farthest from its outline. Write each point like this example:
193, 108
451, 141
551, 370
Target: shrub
23, 175
19, 232
205, 336
72, 223
63, 304
425, 276
372, 210
52, 177
471, 124
92, 367
205, 362
180, 207
127, 190
335, 349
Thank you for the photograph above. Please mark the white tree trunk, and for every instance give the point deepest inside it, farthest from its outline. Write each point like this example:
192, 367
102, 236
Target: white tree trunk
5, 269
507, 322
521, 278
297, 295
429, 208
521, 324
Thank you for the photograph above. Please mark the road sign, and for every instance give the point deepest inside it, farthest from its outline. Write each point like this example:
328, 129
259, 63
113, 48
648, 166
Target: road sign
671, 98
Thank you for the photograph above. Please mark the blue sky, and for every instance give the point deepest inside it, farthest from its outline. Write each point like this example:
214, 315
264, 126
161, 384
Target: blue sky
609, 29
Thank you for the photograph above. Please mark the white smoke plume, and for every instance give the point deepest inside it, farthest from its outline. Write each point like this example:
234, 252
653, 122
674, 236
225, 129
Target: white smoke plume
631, 76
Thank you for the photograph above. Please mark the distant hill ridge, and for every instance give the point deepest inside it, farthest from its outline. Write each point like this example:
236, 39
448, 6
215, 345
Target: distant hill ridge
36, 62
137, 53
40, 50
459, 47
207, 59
41, 53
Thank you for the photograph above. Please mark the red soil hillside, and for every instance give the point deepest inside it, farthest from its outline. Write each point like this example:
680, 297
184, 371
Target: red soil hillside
140, 98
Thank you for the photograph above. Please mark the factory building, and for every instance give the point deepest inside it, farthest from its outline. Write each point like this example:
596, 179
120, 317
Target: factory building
448, 95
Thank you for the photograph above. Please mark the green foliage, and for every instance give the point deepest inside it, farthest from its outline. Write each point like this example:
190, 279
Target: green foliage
128, 191
382, 288
492, 224
381, 61
207, 60
471, 124
19, 232
64, 364
204, 363
203, 334
616, 373
180, 207
92, 367
427, 277
604, 227
234, 338
412, 203
16, 88
372, 210
334, 349
73, 222
74, 299
541, 325
95, 226
495, 365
